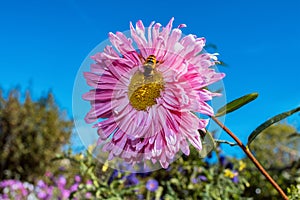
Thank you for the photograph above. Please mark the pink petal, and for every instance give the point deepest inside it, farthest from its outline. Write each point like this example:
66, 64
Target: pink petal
181, 26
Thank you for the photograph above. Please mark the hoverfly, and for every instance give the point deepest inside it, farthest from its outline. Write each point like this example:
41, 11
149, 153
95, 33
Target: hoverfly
150, 65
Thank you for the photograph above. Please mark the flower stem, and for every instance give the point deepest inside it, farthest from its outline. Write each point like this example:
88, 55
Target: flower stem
148, 197
252, 158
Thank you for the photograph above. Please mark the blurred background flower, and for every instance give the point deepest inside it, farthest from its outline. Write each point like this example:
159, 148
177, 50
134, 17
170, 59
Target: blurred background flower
152, 185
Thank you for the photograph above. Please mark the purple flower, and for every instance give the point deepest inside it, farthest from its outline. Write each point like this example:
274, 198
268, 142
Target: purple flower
17, 185
48, 174
74, 187
132, 180
140, 197
61, 182
152, 185
6, 183
65, 194
194, 180
202, 178
50, 190
199, 178
89, 182
24, 191
235, 179
77, 178
41, 184
42, 194
62, 168
88, 195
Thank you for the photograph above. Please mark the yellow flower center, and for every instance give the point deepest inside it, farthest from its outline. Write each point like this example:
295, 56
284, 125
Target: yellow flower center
144, 90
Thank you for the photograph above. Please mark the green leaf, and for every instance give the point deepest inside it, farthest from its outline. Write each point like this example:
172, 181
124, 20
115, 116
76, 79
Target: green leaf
236, 104
269, 122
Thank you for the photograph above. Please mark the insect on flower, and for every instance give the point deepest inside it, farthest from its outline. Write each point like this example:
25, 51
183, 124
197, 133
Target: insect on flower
145, 92
150, 66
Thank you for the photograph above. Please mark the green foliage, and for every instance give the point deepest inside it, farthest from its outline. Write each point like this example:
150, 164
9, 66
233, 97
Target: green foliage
31, 132
294, 192
236, 104
279, 154
98, 179
269, 122
274, 142
189, 177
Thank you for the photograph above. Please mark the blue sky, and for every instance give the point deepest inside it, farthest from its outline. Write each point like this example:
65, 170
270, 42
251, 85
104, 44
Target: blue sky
43, 43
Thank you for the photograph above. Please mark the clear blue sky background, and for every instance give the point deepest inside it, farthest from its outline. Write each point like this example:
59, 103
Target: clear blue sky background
42, 45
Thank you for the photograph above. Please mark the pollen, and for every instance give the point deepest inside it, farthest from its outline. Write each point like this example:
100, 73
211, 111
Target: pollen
143, 91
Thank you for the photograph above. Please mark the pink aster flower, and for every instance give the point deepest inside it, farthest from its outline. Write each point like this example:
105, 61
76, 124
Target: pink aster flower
147, 97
